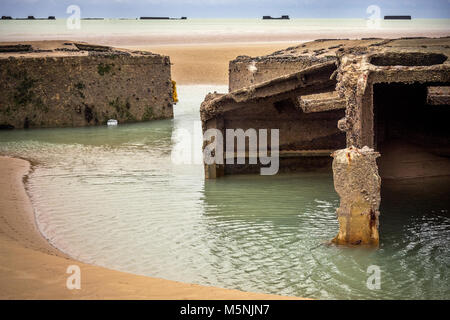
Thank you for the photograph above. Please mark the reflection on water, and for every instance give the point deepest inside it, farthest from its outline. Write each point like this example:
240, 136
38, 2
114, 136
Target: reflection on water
113, 197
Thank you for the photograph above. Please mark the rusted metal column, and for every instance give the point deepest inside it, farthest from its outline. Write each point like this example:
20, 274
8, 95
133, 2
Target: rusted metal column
358, 184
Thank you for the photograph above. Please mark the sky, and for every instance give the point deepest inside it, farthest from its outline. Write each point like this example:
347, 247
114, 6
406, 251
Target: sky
226, 8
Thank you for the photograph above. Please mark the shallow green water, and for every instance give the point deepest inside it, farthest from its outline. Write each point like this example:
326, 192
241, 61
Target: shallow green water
114, 197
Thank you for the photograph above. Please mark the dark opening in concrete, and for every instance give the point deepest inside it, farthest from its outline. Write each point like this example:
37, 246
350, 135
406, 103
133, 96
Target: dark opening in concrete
15, 48
306, 140
412, 136
408, 59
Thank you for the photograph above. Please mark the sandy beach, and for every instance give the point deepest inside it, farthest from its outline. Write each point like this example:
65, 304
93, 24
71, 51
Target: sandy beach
208, 64
30, 268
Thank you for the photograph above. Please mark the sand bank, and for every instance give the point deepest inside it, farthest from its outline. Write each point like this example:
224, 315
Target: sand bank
208, 64
191, 64
30, 268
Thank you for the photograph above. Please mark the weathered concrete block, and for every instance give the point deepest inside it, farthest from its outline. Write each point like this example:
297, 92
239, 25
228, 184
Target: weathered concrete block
245, 71
358, 184
61, 88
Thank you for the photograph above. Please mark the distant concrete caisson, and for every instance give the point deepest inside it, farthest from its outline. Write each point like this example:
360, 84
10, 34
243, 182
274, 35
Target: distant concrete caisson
67, 84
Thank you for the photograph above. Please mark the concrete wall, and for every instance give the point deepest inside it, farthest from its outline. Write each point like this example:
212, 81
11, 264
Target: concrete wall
297, 131
84, 90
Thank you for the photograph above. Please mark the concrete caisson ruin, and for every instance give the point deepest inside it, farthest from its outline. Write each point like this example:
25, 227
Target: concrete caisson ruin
379, 106
65, 84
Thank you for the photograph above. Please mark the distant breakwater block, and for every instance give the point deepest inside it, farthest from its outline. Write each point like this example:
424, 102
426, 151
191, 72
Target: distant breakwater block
28, 18
73, 84
284, 17
397, 17
162, 18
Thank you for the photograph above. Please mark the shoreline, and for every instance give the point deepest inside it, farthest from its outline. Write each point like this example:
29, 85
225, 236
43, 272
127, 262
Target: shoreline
118, 39
31, 268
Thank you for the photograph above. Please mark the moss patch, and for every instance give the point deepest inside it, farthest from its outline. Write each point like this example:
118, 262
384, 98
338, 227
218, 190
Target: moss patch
148, 114
80, 86
24, 95
122, 109
104, 68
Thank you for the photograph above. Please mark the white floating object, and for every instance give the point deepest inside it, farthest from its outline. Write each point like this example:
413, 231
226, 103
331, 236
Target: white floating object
112, 122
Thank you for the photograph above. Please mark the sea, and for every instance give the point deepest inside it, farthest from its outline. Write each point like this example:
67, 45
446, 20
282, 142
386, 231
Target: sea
132, 32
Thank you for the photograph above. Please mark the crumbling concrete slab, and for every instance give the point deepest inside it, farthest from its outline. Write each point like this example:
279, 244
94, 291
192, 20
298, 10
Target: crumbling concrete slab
311, 79
383, 88
321, 102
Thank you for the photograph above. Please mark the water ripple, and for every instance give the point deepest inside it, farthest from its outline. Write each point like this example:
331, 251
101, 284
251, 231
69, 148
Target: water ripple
113, 198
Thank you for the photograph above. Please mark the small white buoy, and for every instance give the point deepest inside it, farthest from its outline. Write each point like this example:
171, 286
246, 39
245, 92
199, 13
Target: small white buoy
112, 122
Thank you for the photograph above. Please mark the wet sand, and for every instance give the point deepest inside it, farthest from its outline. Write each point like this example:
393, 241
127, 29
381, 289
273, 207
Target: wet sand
30, 268
191, 64
208, 64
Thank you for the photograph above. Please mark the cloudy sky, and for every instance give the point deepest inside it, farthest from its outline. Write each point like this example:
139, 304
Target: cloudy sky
226, 8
